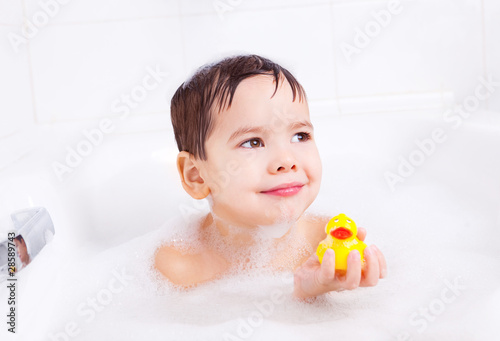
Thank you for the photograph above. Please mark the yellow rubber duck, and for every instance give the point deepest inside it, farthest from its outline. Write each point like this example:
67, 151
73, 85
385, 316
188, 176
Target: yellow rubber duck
341, 237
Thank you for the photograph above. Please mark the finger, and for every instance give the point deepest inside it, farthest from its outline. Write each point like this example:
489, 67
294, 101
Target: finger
372, 271
361, 233
327, 270
382, 263
353, 275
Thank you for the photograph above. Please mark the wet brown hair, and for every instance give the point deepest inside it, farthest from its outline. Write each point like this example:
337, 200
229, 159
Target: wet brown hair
211, 89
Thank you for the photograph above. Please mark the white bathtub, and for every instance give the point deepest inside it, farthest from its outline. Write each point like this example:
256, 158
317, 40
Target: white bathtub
439, 230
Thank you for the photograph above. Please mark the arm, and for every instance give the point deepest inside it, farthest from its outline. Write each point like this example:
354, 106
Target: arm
314, 278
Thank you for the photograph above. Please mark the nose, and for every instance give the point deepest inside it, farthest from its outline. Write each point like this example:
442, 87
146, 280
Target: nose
284, 162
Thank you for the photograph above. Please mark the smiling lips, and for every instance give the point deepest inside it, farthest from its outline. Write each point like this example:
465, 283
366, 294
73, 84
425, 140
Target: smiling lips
285, 190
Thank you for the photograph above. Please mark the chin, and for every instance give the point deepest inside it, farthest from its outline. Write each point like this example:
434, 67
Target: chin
283, 212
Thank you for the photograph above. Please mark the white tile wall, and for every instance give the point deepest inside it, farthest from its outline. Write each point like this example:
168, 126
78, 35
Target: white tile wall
297, 38
15, 94
225, 8
11, 12
430, 46
91, 52
492, 48
81, 70
99, 10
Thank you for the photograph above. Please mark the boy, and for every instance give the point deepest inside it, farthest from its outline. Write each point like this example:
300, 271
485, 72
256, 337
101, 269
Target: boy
247, 145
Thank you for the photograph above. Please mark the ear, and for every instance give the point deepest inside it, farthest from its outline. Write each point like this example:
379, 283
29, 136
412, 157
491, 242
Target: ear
191, 180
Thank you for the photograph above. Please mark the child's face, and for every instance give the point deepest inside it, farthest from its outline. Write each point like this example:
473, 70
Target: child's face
272, 149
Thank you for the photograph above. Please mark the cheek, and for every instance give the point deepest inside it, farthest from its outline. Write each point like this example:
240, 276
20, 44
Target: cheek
313, 166
245, 166
246, 175
319, 169
232, 174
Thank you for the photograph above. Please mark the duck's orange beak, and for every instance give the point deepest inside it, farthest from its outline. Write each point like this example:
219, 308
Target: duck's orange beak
341, 233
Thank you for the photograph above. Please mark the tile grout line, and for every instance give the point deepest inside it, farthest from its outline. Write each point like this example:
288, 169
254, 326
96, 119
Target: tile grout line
30, 67
375, 112
391, 94
143, 131
392, 111
18, 158
12, 133
94, 118
272, 8
108, 21
334, 61
105, 21
183, 45
32, 84
483, 33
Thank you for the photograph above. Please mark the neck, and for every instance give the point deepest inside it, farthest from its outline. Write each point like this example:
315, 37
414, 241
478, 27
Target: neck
245, 236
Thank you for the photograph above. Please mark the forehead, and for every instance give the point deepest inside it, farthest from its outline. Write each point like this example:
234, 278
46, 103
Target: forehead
254, 104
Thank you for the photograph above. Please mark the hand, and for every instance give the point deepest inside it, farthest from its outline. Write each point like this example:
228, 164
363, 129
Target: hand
314, 278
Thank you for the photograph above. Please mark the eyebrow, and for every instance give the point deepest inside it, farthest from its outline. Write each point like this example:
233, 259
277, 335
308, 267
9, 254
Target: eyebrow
259, 130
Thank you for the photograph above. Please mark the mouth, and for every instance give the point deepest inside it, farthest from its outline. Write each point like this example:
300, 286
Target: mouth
341, 233
285, 190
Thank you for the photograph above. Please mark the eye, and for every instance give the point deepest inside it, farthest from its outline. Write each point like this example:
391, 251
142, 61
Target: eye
252, 143
336, 220
348, 221
301, 137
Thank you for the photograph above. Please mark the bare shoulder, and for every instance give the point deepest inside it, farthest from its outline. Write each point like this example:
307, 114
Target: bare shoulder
172, 264
187, 269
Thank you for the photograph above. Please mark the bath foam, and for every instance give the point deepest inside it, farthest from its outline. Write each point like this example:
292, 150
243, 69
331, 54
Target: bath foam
423, 255
212, 309
187, 237
182, 233
149, 288
432, 229
238, 294
257, 303
274, 231
241, 257
283, 224
268, 251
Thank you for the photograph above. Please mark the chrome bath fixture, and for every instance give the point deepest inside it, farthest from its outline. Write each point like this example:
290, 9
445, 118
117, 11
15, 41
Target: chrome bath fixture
29, 230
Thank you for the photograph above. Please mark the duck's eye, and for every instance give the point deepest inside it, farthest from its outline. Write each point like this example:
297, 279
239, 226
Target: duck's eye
336, 220
348, 221
252, 143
